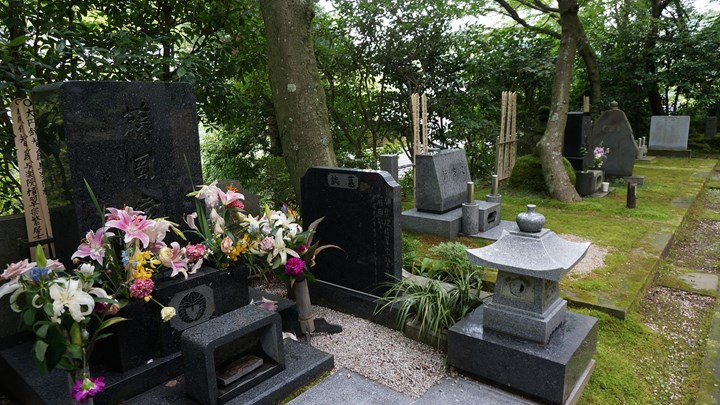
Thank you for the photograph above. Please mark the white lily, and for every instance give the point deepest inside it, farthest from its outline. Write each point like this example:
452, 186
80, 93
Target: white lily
69, 294
217, 221
281, 249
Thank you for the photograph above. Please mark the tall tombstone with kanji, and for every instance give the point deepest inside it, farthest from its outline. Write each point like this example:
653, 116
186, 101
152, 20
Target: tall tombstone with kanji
361, 211
129, 140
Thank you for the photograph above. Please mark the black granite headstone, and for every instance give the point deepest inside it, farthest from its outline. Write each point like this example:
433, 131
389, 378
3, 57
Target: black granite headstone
577, 130
362, 216
129, 140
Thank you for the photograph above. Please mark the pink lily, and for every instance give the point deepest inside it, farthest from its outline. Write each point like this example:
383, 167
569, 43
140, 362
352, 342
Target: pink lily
114, 213
210, 193
133, 226
229, 197
174, 259
93, 246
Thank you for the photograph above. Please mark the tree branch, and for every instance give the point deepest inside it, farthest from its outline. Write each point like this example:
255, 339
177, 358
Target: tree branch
515, 16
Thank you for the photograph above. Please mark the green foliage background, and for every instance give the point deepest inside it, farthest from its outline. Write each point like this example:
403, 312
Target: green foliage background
372, 55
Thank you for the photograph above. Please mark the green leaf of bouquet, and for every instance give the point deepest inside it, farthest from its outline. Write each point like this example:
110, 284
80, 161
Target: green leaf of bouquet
48, 309
74, 351
29, 316
40, 348
310, 277
102, 336
40, 258
106, 300
110, 322
95, 201
42, 331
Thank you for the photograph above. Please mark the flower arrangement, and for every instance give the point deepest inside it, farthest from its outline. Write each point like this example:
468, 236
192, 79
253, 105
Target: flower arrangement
600, 155
276, 242
66, 311
216, 221
130, 250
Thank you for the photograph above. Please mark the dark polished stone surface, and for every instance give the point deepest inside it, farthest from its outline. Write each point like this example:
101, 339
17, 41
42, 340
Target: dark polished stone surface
361, 211
128, 140
549, 371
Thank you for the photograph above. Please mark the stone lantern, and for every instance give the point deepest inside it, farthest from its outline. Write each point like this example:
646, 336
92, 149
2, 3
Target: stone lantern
525, 338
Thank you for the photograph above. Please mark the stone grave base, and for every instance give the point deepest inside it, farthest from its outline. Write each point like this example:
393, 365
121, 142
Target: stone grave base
449, 224
349, 301
163, 385
22, 379
556, 372
686, 153
303, 364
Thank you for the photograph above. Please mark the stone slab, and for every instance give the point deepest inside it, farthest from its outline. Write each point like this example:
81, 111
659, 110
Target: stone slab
303, 364
550, 372
463, 391
361, 211
346, 386
447, 225
701, 281
614, 132
669, 132
134, 142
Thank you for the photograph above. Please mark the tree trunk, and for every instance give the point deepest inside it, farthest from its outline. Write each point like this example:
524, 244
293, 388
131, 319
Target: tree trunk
298, 95
551, 144
653, 89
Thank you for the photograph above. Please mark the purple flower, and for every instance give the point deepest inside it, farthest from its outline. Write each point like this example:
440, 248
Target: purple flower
87, 387
294, 267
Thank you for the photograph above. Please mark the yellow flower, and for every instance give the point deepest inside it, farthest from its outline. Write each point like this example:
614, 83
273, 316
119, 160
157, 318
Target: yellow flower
144, 264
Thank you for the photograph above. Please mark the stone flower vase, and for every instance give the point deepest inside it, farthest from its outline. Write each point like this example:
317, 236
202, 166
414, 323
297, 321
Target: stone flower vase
304, 307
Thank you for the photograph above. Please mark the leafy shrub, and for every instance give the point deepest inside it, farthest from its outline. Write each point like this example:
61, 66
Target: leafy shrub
406, 186
409, 251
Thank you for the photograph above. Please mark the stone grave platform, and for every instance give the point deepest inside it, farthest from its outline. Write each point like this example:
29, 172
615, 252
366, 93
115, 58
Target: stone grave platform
555, 372
303, 364
449, 224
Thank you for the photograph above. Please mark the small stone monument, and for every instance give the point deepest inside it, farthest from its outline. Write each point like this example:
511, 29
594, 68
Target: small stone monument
669, 132
525, 338
441, 195
613, 131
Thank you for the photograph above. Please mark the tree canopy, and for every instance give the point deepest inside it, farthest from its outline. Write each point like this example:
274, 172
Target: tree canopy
653, 57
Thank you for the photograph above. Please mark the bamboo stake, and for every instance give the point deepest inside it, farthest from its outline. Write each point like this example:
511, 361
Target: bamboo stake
426, 147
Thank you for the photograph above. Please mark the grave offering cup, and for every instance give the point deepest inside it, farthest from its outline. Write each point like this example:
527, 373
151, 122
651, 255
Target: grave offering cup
525, 338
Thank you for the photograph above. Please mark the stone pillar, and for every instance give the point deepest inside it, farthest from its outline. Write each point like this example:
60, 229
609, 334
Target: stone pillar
389, 163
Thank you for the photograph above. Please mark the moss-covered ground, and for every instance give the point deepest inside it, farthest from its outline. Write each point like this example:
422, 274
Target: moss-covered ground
653, 327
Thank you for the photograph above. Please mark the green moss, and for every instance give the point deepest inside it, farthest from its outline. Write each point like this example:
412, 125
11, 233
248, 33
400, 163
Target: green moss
622, 346
527, 174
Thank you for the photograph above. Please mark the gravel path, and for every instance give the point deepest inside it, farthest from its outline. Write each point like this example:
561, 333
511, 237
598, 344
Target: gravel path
381, 354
